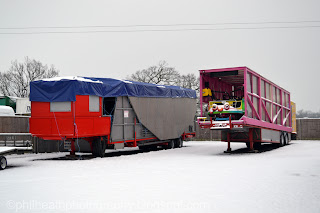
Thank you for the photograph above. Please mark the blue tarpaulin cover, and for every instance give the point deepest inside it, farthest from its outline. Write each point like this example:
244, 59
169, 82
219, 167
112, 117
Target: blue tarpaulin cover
66, 88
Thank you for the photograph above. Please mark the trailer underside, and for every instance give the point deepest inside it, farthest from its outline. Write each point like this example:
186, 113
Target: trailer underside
241, 131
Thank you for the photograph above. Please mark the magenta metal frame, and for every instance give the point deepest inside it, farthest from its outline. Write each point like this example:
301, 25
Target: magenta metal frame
267, 105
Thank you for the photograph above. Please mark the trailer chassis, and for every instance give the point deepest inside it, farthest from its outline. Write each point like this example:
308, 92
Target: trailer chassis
239, 131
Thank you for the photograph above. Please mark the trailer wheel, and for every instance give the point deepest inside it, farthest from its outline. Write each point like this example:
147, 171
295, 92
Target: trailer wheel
3, 163
170, 144
98, 147
286, 138
179, 142
282, 140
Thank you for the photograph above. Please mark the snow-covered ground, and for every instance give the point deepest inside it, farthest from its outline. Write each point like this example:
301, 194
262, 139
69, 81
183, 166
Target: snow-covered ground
196, 178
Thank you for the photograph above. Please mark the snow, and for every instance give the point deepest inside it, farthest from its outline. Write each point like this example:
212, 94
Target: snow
126, 81
77, 78
196, 178
6, 111
5, 149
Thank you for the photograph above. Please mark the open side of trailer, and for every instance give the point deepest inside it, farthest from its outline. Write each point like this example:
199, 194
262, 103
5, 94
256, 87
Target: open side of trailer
246, 106
111, 113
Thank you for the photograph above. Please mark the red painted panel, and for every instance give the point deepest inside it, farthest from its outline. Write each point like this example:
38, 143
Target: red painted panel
40, 109
102, 125
90, 126
49, 125
85, 126
82, 106
40, 126
62, 126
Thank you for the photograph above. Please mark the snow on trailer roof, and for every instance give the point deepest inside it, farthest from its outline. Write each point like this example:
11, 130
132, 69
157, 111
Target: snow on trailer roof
60, 89
6, 111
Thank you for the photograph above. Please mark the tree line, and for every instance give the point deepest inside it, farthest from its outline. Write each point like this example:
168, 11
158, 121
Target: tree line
307, 114
165, 75
16, 80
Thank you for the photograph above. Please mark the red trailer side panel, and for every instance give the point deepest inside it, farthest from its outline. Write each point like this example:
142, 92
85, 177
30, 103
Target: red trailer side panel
76, 123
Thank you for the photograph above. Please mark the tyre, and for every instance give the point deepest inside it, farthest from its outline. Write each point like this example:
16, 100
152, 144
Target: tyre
282, 140
98, 147
178, 143
181, 143
3, 163
171, 144
286, 138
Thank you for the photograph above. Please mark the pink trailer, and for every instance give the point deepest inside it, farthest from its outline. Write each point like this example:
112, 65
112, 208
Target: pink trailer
246, 106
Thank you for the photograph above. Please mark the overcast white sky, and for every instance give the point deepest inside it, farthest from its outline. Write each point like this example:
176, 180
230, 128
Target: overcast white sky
288, 57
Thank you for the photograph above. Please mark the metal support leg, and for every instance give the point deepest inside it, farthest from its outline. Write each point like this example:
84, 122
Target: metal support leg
228, 138
73, 148
251, 139
135, 133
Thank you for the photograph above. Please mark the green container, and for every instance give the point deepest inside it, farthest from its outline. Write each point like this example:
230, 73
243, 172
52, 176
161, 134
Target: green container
6, 101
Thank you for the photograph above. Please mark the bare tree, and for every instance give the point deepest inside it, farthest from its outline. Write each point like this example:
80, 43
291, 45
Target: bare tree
16, 81
165, 75
189, 81
161, 74
307, 114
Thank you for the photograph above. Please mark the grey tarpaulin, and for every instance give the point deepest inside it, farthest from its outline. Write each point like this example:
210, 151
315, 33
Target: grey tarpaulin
166, 118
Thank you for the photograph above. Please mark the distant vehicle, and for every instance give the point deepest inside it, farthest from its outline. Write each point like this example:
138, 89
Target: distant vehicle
11, 150
6, 111
111, 113
246, 106
8, 101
